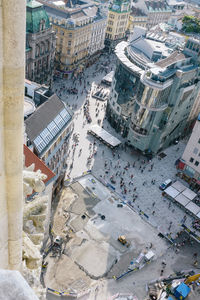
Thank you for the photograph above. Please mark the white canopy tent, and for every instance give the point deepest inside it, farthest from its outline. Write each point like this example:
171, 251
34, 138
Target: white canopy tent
193, 208
179, 186
104, 136
181, 199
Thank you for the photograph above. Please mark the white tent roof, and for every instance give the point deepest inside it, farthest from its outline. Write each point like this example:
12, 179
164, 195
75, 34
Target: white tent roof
179, 186
192, 207
198, 215
172, 192
108, 77
189, 194
104, 135
182, 199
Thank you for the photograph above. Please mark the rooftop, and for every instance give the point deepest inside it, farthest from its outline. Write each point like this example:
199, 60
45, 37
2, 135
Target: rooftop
137, 12
153, 6
145, 47
33, 4
47, 122
31, 158
172, 59
35, 13
87, 10
29, 106
70, 5
176, 2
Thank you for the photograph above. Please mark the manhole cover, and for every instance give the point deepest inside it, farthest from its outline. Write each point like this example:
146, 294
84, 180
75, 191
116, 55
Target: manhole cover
162, 155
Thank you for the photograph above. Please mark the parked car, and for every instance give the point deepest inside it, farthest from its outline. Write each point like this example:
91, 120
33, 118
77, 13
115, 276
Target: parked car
165, 184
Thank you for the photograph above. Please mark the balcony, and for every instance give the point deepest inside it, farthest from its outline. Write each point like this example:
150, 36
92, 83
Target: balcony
151, 108
148, 81
138, 130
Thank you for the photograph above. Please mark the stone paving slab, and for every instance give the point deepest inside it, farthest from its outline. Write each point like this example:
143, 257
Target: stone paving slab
85, 202
95, 258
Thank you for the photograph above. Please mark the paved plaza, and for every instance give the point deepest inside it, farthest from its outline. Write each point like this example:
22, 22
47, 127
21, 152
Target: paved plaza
105, 163
136, 180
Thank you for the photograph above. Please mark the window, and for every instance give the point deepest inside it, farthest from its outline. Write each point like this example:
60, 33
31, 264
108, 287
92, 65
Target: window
46, 135
195, 151
70, 34
68, 51
69, 43
191, 159
62, 32
199, 141
196, 163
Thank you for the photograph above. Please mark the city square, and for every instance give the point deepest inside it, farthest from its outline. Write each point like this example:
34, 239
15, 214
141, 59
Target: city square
100, 149
142, 179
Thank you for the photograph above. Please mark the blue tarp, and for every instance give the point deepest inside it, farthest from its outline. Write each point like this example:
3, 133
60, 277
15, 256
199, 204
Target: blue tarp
182, 291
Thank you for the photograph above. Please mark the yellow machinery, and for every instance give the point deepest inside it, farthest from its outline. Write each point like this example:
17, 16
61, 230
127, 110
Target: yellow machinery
122, 239
192, 278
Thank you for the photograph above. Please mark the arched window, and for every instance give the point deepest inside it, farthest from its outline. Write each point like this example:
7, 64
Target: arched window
37, 51
42, 48
47, 46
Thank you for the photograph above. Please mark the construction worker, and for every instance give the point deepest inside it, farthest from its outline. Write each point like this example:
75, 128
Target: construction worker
195, 263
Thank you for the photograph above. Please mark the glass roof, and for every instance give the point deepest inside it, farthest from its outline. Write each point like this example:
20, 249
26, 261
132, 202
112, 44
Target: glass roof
54, 127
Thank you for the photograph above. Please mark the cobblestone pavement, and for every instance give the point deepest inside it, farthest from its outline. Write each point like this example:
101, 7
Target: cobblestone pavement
127, 167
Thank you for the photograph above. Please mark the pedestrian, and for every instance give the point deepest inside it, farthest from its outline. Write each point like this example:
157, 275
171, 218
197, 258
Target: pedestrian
153, 212
195, 255
153, 204
164, 264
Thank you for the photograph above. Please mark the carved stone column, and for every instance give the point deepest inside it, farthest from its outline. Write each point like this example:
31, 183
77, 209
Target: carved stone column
3, 204
12, 72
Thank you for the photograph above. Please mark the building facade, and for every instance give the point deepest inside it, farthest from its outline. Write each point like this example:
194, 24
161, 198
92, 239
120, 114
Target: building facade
137, 17
40, 44
118, 16
190, 161
98, 34
48, 130
153, 92
157, 11
80, 29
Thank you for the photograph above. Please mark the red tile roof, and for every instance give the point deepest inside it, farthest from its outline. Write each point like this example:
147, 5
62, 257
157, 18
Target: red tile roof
31, 158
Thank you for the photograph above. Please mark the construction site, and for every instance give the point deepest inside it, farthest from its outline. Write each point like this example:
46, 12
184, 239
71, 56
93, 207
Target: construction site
90, 246
91, 243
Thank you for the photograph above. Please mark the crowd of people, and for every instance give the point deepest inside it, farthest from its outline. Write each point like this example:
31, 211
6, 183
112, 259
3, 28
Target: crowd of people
122, 174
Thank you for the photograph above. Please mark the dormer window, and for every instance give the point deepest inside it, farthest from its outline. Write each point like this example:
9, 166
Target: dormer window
42, 25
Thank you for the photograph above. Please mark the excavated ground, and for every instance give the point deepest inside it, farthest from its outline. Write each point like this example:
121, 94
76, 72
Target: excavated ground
91, 250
